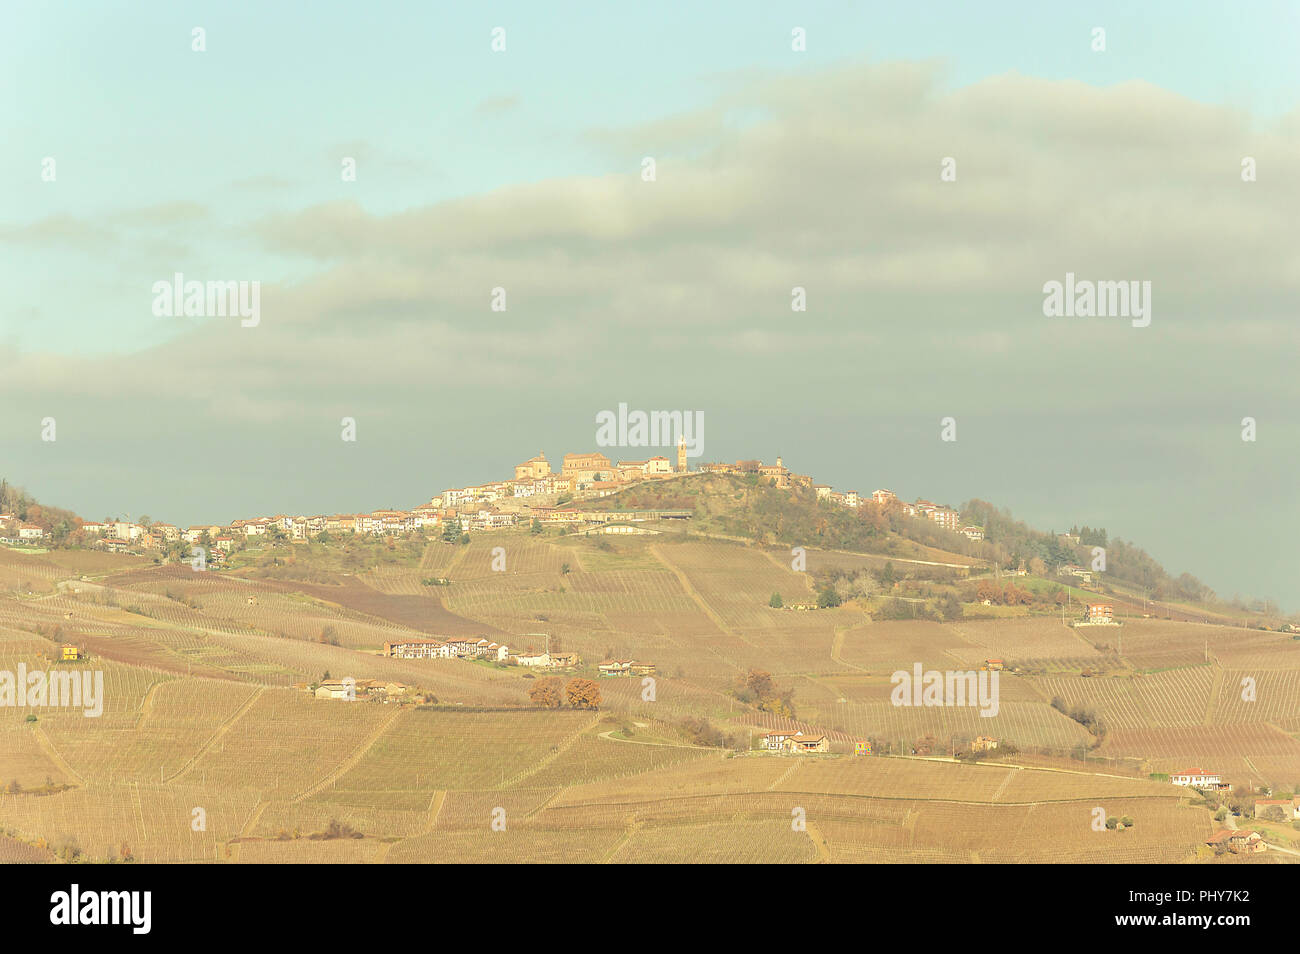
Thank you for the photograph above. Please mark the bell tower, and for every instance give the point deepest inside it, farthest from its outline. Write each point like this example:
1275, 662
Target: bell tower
681, 454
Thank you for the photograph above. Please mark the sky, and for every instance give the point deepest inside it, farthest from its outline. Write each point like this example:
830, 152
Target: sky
775, 168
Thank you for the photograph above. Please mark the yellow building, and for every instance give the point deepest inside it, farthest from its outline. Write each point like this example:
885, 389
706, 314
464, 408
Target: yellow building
71, 653
533, 468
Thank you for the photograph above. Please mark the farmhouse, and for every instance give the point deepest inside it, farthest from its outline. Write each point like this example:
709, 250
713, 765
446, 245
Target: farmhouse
1238, 841
540, 660
71, 653
1290, 807
29, 531
983, 743
335, 690
994, 665
615, 667
1196, 778
808, 743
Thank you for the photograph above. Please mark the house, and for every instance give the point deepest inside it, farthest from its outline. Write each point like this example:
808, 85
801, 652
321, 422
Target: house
808, 743
223, 543
564, 660
71, 653
883, 497
464, 647
540, 660
1238, 841
1101, 613
994, 665
336, 690
29, 531
775, 739
643, 669
983, 743
1195, 778
416, 649
1290, 807
862, 748
615, 667
973, 533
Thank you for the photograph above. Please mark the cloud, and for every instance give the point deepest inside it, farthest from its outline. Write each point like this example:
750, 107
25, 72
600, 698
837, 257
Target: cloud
924, 296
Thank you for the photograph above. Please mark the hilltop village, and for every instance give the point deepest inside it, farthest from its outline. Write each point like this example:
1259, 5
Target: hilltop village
536, 493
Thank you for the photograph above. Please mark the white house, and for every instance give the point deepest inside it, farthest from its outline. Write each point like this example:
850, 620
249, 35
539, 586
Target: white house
1196, 778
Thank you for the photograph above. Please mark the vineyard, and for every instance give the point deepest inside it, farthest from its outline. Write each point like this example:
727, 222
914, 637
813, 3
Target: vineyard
199, 715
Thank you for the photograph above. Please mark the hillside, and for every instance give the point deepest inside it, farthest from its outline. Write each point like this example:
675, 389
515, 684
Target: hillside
201, 708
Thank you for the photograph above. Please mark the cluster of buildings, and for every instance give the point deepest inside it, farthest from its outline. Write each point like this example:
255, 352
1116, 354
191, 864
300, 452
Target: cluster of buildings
625, 667
1237, 841
478, 647
945, 517
15, 531
534, 493
377, 690
472, 647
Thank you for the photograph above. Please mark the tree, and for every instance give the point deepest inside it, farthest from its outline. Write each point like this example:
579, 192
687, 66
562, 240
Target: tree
759, 682
451, 530
775, 601
828, 598
546, 692
583, 694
